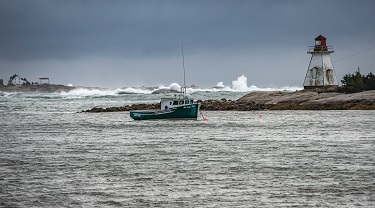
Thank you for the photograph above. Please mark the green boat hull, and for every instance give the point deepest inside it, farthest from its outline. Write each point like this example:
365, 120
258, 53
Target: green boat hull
181, 112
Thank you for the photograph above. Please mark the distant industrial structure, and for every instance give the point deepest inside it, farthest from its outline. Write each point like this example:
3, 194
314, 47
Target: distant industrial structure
44, 80
320, 73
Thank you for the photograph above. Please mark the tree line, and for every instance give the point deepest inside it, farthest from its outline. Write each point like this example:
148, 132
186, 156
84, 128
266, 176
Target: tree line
357, 82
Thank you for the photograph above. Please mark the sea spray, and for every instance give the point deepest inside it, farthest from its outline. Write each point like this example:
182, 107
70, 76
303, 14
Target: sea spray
133, 90
220, 85
175, 86
84, 92
238, 85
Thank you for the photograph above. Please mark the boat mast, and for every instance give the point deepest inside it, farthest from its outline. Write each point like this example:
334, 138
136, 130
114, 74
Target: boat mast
183, 66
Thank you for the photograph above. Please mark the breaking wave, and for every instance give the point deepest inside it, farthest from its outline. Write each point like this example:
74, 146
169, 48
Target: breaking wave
5, 94
238, 85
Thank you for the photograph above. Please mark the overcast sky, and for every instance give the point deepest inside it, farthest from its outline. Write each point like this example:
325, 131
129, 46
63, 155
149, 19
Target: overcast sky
124, 43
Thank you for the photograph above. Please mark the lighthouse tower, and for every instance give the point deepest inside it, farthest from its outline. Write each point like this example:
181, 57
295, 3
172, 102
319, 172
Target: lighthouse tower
320, 73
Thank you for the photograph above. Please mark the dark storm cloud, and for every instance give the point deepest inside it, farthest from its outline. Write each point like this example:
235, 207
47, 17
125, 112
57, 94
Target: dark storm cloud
76, 32
58, 29
40, 29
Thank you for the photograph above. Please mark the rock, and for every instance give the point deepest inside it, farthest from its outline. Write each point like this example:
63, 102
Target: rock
164, 91
123, 108
300, 100
126, 93
43, 88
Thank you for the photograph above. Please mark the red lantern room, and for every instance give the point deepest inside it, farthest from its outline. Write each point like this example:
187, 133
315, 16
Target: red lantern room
320, 46
320, 41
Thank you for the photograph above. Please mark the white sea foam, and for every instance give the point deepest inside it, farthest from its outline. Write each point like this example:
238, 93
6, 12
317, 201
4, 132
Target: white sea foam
133, 90
238, 85
5, 94
220, 85
175, 86
83, 92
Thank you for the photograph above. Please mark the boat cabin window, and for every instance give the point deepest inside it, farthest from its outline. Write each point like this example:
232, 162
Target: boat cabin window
191, 101
170, 103
181, 102
186, 101
175, 102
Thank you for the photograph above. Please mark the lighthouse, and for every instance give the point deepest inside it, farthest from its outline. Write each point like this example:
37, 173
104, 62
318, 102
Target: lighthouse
320, 73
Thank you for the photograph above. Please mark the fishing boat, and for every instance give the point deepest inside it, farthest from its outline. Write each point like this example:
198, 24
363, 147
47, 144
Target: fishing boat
178, 107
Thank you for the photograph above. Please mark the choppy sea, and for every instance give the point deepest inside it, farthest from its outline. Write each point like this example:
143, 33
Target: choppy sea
52, 156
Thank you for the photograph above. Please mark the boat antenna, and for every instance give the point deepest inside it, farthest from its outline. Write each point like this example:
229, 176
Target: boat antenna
183, 66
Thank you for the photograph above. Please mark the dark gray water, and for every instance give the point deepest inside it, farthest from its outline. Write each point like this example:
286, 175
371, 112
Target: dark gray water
51, 156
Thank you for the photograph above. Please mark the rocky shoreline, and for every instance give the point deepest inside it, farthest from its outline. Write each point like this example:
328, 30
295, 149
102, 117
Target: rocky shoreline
299, 100
43, 88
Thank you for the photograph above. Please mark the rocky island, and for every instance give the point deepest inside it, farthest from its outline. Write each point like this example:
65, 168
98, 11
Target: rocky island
310, 100
44, 88
276, 100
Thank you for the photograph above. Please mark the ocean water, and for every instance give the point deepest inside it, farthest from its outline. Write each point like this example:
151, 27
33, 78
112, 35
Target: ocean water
52, 156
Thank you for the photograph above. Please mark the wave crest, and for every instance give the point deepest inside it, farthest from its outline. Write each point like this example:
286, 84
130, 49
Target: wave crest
238, 85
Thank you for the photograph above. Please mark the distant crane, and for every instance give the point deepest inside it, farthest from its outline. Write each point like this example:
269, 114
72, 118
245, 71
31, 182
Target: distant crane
12, 78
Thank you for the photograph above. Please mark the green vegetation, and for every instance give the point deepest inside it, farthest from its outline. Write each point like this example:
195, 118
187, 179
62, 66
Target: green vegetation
357, 82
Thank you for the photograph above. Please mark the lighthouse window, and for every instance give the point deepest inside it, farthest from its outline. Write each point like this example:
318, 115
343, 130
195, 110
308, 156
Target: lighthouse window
317, 42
